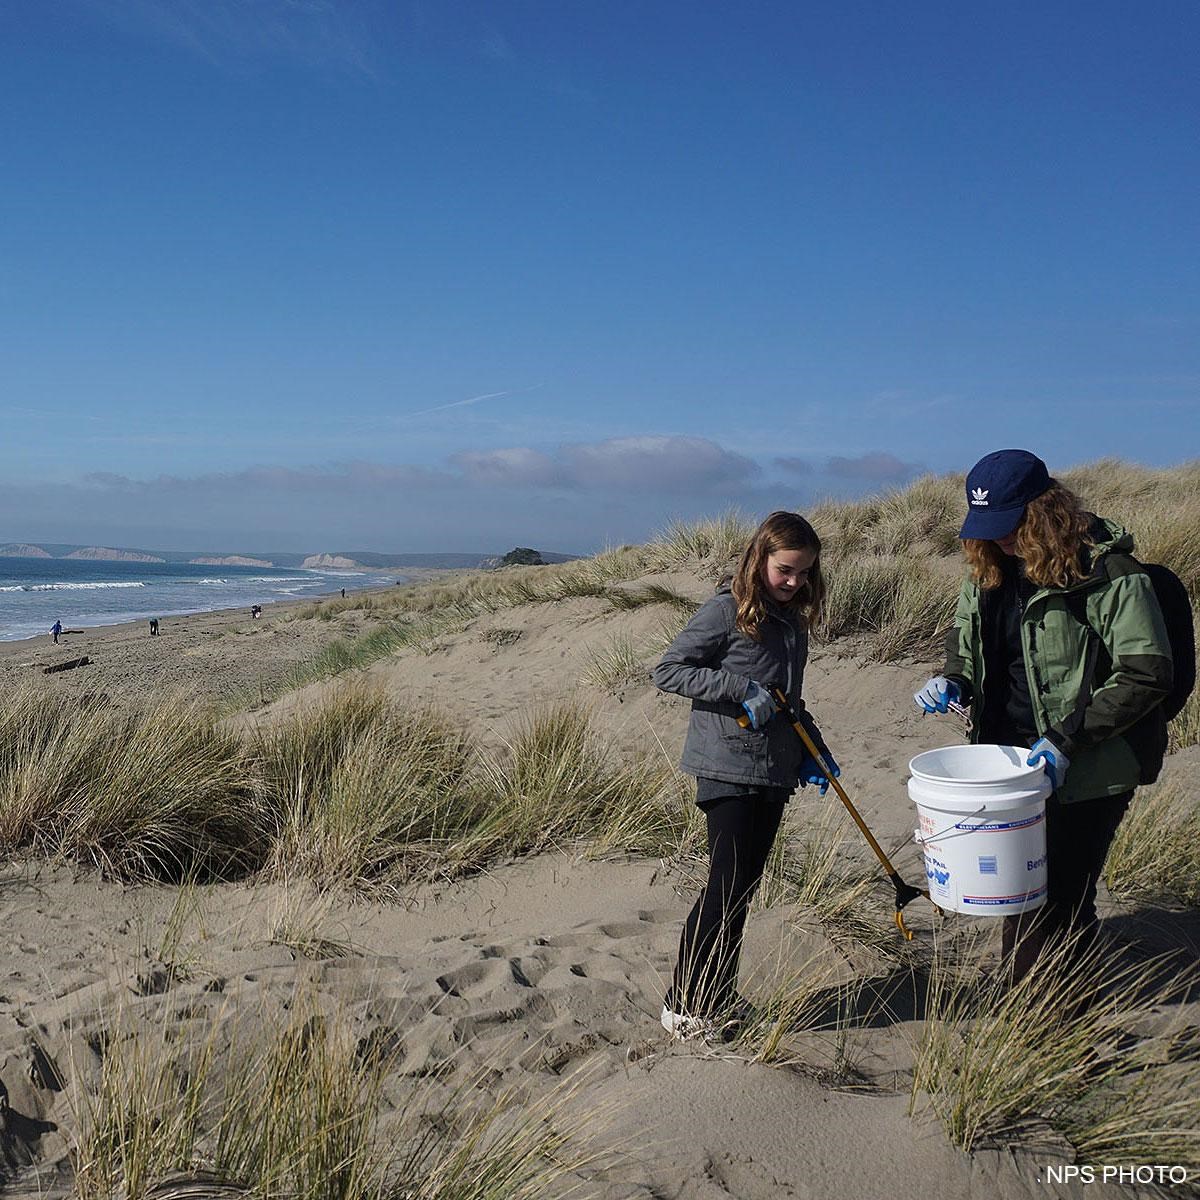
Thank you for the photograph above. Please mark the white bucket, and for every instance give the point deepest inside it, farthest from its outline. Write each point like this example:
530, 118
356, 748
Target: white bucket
982, 817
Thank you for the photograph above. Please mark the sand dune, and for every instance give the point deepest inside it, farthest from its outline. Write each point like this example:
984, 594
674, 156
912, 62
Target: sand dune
534, 973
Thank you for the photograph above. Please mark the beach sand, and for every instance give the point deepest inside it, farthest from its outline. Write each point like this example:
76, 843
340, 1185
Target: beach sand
226, 656
539, 971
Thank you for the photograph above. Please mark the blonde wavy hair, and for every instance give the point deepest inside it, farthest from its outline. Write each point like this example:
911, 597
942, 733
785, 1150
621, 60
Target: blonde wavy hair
780, 532
1051, 539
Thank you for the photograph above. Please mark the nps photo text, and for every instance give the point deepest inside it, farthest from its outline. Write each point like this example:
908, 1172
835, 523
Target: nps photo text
1073, 1173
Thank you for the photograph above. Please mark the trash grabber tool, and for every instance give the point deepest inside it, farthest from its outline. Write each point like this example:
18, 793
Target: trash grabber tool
904, 891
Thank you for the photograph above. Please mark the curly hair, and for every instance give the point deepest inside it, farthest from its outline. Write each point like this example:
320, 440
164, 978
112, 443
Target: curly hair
781, 531
1051, 539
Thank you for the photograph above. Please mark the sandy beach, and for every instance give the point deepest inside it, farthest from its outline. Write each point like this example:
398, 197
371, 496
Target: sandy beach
538, 975
221, 656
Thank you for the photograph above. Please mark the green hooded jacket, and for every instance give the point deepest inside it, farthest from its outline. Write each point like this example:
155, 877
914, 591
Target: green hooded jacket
1118, 738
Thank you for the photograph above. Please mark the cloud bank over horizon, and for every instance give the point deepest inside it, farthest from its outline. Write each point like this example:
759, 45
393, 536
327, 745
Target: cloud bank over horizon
575, 497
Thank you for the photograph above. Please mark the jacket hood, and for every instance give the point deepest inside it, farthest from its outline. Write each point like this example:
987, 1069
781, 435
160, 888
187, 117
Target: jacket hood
774, 609
1109, 537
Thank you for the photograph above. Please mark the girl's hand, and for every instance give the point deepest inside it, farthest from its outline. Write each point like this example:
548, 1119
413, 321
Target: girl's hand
810, 771
759, 705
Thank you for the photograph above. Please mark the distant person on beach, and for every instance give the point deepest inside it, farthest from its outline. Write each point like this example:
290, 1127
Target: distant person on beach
154, 627
255, 609
750, 637
1058, 644
55, 630
343, 593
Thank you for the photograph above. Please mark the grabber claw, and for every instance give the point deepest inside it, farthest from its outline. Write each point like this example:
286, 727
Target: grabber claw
904, 891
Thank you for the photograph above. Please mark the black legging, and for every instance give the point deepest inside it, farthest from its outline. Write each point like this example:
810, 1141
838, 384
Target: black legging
741, 831
1077, 840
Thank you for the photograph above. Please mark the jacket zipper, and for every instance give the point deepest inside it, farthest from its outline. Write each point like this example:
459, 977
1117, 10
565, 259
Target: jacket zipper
1038, 687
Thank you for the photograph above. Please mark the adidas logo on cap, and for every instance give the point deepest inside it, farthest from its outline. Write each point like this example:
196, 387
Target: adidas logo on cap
979, 496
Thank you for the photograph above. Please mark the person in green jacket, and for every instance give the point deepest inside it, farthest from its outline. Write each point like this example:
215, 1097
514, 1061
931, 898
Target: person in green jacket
1058, 644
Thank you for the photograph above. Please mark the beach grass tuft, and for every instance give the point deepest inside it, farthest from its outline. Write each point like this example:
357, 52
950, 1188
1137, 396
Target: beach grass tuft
616, 663
351, 790
556, 784
1155, 855
303, 1115
1059, 1046
152, 791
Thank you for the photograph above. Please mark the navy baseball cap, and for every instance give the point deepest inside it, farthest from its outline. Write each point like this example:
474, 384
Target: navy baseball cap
998, 488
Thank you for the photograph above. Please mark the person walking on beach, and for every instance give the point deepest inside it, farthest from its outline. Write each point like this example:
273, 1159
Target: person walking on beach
55, 630
750, 637
154, 627
1058, 644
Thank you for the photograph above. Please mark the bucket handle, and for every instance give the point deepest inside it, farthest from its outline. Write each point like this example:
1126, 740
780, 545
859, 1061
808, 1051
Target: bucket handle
933, 837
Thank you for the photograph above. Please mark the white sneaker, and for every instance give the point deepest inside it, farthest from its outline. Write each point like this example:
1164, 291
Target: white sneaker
685, 1028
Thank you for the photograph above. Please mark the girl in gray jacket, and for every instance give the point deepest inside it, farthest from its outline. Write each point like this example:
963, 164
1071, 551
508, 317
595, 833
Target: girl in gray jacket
749, 638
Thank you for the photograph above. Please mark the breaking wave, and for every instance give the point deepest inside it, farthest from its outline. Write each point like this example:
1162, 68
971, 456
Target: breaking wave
68, 587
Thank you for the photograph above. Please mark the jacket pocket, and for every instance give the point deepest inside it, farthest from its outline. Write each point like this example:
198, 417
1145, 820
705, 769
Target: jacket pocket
750, 744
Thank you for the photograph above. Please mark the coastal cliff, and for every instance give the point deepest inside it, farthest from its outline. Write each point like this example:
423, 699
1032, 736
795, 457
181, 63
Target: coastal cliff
105, 554
229, 560
329, 560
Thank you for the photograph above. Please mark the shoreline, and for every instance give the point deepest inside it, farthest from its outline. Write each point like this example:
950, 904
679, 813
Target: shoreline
192, 653
413, 576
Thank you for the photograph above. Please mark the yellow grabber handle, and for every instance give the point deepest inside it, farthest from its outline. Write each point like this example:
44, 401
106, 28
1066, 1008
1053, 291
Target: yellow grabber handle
904, 891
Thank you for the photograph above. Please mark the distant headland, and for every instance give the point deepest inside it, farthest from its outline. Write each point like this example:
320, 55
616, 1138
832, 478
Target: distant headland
319, 560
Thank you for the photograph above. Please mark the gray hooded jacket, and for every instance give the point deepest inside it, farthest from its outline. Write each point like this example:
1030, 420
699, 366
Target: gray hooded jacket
712, 663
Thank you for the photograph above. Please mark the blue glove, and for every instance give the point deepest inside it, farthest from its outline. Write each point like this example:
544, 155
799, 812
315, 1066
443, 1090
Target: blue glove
810, 771
759, 705
1055, 762
936, 695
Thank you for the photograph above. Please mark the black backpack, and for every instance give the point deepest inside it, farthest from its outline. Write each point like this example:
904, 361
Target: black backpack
1176, 605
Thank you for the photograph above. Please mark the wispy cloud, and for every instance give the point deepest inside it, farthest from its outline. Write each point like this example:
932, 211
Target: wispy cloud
894, 403
312, 32
639, 465
793, 466
877, 467
496, 47
421, 412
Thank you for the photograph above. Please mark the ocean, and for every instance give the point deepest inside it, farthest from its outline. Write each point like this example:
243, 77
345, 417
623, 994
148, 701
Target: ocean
36, 592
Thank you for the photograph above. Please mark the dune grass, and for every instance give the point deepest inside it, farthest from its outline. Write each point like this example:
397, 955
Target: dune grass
651, 593
304, 1116
616, 663
718, 540
1155, 855
154, 791
994, 1056
352, 790
557, 784
361, 787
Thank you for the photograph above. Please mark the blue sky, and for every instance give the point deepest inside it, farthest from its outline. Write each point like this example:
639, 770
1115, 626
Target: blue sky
296, 274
